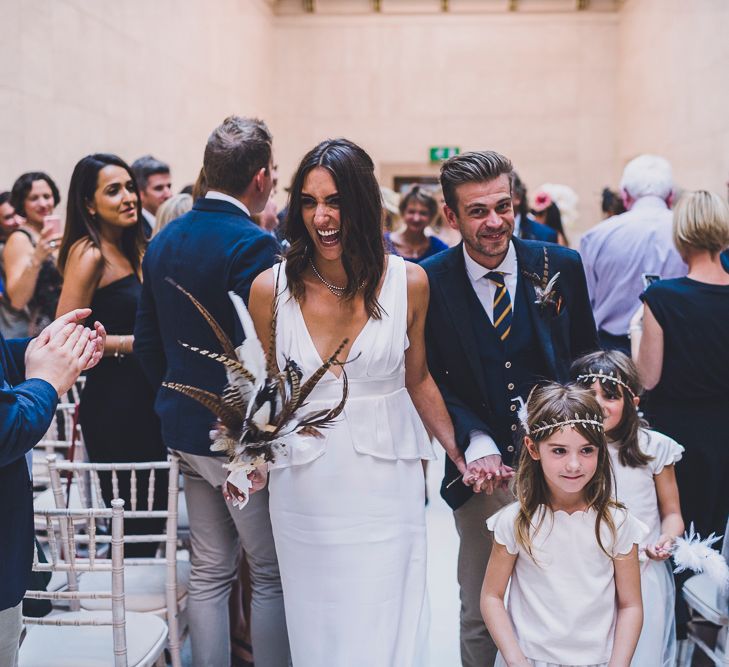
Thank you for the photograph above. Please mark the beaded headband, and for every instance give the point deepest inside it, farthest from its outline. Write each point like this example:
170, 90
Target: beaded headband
606, 377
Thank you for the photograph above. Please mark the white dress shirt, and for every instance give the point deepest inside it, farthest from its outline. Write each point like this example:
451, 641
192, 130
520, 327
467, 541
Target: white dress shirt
214, 194
480, 444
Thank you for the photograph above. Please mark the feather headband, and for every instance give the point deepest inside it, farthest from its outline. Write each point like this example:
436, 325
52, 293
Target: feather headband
606, 377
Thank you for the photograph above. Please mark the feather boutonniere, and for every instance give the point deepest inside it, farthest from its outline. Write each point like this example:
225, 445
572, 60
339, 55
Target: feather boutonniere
545, 287
259, 409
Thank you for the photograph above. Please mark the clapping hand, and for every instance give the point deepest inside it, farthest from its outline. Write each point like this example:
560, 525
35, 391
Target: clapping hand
96, 338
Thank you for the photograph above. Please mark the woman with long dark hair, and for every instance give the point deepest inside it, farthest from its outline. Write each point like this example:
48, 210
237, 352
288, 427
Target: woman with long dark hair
347, 509
101, 257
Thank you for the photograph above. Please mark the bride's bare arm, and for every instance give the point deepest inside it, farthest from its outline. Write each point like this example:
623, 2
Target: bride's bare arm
259, 306
420, 385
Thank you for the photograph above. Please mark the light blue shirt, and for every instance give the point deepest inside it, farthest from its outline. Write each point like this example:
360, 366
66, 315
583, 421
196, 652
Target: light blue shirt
616, 253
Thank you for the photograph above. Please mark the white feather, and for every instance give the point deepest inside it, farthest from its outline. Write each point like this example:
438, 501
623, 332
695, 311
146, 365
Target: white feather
692, 553
522, 414
250, 352
261, 416
551, 283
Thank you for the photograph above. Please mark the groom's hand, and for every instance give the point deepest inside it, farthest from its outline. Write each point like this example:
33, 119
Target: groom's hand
486, 473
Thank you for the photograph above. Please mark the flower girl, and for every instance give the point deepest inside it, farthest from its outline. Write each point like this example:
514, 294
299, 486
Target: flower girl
645, 482
567, 547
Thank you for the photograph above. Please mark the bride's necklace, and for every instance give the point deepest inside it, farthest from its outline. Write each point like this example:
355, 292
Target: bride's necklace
334, 289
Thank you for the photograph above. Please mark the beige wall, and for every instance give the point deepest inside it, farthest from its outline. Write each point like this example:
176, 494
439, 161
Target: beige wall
569, 95
539, 88
673, 92
80, 76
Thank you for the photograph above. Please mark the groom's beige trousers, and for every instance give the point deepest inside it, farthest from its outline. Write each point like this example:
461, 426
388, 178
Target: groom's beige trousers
477, 647
217, 531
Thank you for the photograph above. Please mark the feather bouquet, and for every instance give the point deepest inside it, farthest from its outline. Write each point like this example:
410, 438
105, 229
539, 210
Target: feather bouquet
259, 409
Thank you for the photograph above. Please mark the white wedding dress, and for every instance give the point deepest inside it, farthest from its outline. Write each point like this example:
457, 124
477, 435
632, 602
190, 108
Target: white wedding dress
348, 509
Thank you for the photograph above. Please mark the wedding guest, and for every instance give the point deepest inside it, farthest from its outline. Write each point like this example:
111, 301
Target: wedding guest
491, 336
353, 553
525, 226
643, 462
546, 212
33, 374
418, 210
566, 550
172, 209
13, 322
213, 249
618, 252
155, 187
32, 279
679, 345
100, 258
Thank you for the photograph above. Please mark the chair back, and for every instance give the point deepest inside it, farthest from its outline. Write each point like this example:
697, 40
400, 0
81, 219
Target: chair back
65, 530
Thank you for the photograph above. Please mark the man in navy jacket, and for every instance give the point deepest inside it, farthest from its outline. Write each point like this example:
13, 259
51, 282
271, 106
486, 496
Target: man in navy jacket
214, 249
33, 374
490, 338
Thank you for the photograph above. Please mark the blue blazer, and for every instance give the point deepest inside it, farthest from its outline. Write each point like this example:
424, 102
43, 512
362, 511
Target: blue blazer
531, 230
213, 249
452, 348
26, 411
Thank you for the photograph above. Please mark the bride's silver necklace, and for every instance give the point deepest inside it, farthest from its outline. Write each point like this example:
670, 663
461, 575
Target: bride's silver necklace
334, 289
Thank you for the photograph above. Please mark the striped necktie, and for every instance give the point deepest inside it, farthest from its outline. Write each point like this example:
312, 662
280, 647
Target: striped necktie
502, 305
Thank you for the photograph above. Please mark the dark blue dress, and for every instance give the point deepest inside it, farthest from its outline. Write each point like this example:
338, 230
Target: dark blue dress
436, 246
691, 401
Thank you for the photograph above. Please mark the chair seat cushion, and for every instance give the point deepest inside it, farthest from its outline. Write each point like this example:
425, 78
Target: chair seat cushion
703, 595
144, 586
92, 646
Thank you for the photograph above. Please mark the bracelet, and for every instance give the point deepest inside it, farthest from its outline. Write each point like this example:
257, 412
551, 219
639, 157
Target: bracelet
118, 354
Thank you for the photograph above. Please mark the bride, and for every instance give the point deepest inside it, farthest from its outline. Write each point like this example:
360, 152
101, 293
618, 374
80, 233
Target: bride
347, 509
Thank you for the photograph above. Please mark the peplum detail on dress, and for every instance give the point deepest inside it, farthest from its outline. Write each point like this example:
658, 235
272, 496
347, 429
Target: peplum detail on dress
379, 418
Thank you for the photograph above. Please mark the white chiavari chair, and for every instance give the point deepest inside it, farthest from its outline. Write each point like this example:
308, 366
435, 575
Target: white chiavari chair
116, 637
156, 585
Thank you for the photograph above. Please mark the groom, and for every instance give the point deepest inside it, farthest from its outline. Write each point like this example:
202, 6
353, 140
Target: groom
491, 337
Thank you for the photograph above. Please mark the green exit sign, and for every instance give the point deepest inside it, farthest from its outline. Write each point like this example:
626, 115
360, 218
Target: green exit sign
440, 153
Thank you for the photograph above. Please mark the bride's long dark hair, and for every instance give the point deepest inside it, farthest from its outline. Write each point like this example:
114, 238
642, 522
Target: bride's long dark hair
363, 250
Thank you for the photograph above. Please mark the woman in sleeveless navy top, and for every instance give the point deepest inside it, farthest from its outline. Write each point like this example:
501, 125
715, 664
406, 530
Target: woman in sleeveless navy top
684, 359
101, 257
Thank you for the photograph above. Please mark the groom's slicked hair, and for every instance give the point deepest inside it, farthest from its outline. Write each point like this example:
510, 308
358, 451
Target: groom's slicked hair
472, 167
236, 150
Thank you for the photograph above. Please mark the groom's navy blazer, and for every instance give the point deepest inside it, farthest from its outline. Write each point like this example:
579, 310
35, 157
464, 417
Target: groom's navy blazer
213, 249
477, 396
26, 410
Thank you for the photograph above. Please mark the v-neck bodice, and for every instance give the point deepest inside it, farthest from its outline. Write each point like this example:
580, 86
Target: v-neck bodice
379, 416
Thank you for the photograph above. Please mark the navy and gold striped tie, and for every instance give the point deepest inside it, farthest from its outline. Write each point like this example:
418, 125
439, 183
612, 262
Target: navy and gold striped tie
502, 305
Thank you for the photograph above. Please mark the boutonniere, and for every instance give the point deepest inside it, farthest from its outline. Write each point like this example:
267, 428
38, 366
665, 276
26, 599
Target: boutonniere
545, 287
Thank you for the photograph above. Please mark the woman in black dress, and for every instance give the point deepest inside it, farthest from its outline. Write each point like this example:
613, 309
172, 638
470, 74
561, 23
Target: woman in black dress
100, 257
682, 354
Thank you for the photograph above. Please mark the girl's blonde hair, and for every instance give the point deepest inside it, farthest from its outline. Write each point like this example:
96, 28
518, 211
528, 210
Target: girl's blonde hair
554, 403
612, 363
